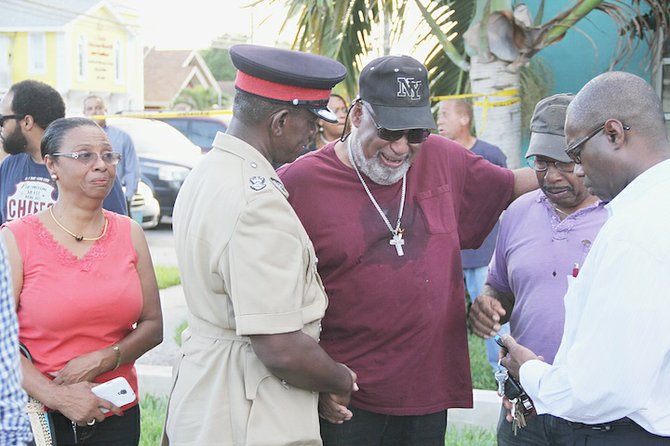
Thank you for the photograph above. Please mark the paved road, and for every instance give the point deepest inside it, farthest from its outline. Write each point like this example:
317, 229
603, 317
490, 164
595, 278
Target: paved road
161, 246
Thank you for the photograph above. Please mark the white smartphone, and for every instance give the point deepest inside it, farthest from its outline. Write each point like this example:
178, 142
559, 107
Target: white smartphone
117, 391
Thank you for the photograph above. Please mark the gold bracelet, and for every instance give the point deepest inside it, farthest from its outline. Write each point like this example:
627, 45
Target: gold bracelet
117, 349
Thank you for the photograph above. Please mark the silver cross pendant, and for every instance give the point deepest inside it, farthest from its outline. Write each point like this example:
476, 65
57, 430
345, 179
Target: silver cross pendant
397, 241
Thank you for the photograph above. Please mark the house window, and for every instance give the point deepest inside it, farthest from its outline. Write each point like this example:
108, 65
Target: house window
37, 53
81, 58
117, 62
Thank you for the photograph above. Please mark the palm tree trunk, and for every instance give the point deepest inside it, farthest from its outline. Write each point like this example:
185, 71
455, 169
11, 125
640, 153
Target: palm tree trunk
498, 125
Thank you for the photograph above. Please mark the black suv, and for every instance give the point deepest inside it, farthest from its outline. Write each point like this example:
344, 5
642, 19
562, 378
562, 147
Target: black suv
166, 157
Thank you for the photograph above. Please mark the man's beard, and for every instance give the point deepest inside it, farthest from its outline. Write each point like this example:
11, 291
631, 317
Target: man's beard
15, 142
373, 167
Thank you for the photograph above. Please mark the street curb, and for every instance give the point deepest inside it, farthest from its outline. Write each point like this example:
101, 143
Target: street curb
156, 380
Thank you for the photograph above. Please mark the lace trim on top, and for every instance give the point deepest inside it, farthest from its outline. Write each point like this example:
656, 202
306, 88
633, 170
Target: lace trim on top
65, 256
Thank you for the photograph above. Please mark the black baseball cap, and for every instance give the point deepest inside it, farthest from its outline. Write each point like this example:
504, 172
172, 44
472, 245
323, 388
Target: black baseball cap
396, 87
293, 77
547, 128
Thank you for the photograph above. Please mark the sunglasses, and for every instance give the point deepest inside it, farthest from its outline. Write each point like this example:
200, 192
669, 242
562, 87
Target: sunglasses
3, 118
414, 136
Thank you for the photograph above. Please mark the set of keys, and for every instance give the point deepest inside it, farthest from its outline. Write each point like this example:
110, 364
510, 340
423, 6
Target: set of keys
522, 405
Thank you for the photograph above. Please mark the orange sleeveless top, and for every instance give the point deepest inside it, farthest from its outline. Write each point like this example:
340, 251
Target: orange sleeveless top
70, 306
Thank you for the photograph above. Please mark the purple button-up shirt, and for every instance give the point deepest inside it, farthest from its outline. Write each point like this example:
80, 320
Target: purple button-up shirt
535, 253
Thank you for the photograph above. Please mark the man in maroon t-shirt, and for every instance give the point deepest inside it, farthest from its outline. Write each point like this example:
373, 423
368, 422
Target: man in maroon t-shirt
388, 211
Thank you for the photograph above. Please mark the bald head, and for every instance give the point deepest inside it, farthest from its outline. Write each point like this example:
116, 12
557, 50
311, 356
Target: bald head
622, 96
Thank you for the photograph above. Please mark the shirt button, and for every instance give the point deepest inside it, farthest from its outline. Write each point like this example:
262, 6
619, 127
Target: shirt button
253, 164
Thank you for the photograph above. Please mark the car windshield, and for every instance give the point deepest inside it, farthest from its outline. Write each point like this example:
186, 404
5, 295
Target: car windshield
154, 136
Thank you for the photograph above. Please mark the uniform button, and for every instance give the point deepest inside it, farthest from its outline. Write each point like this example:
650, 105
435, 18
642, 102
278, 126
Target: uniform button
253, 164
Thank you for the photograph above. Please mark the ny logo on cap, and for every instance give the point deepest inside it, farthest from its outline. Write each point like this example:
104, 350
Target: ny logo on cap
408, 87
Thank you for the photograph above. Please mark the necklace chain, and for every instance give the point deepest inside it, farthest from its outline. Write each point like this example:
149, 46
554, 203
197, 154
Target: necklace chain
397, 229
79, 238
561, 211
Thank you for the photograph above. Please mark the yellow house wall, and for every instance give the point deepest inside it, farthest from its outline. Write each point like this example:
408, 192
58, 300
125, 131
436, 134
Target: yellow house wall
100, 39
20, 61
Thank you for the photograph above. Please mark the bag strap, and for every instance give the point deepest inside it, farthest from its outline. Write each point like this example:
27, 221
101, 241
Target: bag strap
25, 352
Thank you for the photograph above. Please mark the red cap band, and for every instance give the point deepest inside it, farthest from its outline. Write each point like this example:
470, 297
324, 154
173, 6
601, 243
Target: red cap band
280, 92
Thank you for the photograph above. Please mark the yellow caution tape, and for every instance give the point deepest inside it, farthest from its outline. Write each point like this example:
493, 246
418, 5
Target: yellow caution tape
166, 114
485, 104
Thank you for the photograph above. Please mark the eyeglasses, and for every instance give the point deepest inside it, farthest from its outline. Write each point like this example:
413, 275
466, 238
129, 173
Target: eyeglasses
111, 158
574, 150
5, 117
540, 165
414, 136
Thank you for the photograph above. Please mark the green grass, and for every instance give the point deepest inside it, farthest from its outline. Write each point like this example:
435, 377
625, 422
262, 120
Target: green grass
153, 412
167, 276
482, 376
470, 436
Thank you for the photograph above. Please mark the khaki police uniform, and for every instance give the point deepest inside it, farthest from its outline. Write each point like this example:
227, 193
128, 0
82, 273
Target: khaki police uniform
248, 268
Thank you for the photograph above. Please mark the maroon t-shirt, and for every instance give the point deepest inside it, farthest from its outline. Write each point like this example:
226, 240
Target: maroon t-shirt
399, 322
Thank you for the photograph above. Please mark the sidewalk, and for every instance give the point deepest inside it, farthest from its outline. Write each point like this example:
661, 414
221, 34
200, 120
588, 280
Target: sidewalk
154, 369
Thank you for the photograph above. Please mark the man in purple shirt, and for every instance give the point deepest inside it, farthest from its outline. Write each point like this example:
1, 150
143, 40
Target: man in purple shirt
544, 237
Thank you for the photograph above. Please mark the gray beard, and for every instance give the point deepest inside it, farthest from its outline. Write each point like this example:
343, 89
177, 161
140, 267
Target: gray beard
373, 168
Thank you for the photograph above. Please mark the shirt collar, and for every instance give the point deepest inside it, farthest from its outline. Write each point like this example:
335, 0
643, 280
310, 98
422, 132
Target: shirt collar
232, 144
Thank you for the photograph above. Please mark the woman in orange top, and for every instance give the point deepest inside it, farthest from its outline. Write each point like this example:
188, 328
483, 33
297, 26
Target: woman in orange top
86, 294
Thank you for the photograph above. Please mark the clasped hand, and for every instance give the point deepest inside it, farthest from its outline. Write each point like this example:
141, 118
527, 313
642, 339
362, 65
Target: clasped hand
333, 407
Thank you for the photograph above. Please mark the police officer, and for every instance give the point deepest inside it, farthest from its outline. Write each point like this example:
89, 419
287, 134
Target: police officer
251, 368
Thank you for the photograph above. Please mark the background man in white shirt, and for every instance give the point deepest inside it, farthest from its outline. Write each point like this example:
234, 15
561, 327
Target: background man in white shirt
611, 375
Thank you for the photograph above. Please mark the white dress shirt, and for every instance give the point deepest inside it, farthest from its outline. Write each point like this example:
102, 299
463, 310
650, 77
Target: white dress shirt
614, 358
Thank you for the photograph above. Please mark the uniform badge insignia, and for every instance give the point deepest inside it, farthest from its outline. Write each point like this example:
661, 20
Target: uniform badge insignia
257, 183
278, 184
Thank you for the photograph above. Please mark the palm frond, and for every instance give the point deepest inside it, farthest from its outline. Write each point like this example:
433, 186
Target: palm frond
453, 18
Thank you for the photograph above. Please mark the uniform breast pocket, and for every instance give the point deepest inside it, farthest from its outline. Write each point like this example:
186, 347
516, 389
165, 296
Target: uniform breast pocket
437, 209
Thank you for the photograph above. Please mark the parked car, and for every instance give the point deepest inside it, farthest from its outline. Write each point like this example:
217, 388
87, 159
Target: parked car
201, 130
166, 157
144, 207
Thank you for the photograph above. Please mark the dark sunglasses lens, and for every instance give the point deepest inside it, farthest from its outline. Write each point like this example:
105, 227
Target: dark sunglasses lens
416, 136
390, 135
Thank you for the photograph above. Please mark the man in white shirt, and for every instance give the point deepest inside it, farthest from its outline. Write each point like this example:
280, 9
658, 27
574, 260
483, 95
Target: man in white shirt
611, 374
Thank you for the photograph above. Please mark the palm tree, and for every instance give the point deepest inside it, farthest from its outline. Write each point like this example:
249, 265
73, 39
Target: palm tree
196, 98
491, 40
